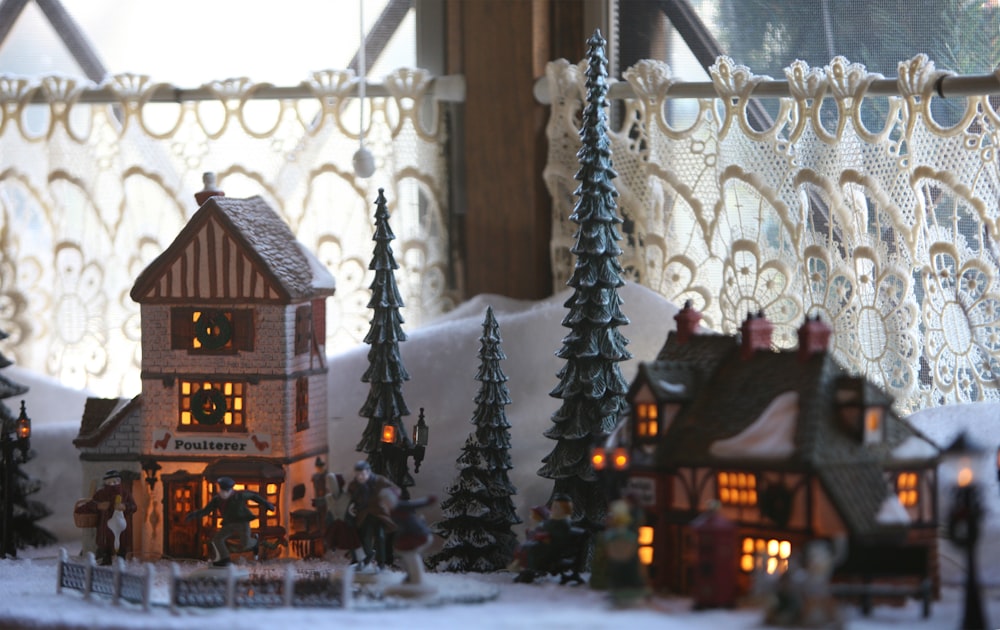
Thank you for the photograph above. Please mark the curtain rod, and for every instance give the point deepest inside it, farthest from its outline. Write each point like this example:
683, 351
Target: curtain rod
948, 86
448, 88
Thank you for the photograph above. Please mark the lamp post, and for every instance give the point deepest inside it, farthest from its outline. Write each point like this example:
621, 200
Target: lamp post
964, 520
150, 467
15, 435
399, 449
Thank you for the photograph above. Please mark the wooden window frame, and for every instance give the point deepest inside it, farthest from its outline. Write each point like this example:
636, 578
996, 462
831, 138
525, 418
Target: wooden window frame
183, 337
301, 403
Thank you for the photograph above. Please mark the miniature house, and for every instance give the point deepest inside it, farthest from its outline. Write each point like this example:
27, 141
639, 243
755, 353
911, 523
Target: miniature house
233, 379
791, 448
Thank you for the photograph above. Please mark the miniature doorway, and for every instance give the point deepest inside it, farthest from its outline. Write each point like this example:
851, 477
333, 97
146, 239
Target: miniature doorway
181, 495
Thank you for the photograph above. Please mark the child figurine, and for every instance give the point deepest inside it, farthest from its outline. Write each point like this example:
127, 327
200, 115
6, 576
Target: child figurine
111, 502
412, 537
236, 517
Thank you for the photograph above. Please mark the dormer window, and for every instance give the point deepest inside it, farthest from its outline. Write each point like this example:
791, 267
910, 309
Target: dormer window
873, 425
647, 422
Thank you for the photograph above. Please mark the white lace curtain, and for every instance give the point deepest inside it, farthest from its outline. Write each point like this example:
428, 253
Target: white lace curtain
91, 193
866, 211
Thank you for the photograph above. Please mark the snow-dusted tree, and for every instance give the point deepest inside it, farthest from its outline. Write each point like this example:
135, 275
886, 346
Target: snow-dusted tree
479, 513
386, 373
591, 384
26, 512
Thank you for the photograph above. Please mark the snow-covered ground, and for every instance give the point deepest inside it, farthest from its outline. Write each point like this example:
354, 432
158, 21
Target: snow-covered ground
441, 358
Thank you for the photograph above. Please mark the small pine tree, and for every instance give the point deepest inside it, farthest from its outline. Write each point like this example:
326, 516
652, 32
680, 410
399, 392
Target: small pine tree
479, 513
385, 373
591, 384
25, 531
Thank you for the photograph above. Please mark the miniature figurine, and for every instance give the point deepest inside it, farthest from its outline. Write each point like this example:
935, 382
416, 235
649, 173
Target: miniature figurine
236, 517
412, 535
557, 546
371, 519
340, 530
112, 502
626, 583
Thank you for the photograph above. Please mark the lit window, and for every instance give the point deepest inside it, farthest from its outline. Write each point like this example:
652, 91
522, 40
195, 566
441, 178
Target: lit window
760, 554
211, 405
737, 488
264, 518
873, 424
646, 545
906, 489
647, 425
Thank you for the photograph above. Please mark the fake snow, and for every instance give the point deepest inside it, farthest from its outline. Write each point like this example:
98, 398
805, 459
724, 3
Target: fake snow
441, 357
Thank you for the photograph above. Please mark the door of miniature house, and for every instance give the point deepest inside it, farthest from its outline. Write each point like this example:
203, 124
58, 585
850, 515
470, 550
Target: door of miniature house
181, 495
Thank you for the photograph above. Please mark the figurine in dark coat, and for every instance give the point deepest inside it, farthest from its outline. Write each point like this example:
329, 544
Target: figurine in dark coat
371, 519
236, 517
110, 499
413, 535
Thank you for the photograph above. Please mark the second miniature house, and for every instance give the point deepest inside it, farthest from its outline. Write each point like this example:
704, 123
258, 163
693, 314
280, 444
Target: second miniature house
233, 377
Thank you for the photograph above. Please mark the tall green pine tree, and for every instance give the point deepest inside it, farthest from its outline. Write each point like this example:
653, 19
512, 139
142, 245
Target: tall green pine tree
479, 513
591, 384
26, 512
385, 373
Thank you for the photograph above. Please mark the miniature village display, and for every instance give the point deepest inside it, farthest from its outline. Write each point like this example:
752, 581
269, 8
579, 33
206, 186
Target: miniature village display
730, 459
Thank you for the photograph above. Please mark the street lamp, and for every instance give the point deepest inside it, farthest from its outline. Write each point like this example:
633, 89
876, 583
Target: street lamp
149, 468
964, 520
15, 435
400, 448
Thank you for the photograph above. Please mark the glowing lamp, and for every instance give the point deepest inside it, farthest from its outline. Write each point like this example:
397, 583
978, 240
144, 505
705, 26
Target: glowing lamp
620, 459
598, 458
388, 433
23, 428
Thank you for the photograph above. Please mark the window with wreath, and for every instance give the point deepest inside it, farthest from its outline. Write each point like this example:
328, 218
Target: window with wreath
207, 330
212, 405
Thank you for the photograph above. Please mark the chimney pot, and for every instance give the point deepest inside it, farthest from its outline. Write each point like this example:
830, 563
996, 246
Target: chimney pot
687, 322
756, 334
814, 337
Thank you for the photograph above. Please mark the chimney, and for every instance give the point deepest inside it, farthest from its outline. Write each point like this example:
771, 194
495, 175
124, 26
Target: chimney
756, 332
814, 337
687, 322
210, 189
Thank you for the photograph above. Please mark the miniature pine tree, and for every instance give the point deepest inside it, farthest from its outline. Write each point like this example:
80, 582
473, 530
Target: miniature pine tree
591, 384
385, 373
479, 513
26, 512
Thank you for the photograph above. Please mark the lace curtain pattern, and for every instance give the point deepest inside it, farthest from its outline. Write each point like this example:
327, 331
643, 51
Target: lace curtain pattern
868, 212
91, 193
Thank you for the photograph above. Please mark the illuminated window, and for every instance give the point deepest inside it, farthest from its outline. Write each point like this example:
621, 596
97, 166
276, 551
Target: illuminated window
873, 424
760, 554
646, 545
212, 405
737, 488
906, 488
647, 421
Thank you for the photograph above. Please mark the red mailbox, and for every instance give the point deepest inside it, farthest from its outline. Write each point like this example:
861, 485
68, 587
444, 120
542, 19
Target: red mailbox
716, 561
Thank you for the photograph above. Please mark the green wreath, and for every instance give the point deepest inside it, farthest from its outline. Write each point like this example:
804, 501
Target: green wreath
208, 406
213, 330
